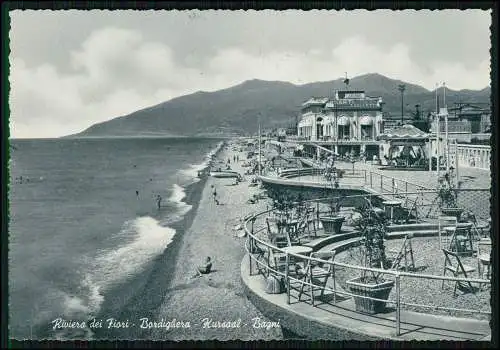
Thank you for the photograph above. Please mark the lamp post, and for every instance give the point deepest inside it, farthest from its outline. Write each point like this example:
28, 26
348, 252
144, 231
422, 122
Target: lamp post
447, 150
402, 88
260, 153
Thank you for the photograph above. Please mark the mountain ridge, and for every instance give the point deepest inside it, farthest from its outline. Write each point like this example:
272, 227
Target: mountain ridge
236, 110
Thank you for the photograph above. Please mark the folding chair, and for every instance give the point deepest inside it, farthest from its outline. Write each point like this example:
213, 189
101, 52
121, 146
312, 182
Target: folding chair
261, 253
461, 240
484, 259
457, 269
481, 228
404, 253
318, 275
444, 223
278, 238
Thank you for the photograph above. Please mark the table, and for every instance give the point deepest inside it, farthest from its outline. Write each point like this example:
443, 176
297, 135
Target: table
297, 249
392, 205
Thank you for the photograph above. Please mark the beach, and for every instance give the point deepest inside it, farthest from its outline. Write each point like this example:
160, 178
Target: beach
213, 306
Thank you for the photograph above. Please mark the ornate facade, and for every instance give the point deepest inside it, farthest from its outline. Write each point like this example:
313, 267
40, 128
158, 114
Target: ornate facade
350, 121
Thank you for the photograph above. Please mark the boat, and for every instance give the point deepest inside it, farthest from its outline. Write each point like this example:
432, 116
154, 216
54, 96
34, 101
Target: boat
225, 174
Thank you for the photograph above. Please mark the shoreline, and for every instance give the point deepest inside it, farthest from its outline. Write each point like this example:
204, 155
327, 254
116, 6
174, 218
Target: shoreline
217, 297
159, 277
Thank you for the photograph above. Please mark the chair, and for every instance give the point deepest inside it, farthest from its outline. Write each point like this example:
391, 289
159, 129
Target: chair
453, 264
481, 228
261, 253
403, 253
461, 240
444, 222
318, 275
484, 259
277, 260
278, 238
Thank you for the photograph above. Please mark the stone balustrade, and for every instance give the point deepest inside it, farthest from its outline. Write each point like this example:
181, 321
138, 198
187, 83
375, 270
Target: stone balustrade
474, 156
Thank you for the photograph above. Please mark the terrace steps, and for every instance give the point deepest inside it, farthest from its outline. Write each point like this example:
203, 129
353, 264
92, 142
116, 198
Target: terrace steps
420, 233
413, 227
341, 246
319, 243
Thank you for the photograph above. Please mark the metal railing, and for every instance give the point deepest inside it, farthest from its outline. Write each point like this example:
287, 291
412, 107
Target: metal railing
253, 239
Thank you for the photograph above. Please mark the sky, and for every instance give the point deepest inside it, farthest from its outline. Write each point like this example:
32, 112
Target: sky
72, 69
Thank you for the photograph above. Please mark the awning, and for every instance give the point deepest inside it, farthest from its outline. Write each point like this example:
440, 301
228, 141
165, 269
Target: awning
366, 120
405, 132
343, 120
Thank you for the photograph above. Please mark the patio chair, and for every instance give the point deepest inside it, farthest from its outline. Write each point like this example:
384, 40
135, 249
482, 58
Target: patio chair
453, 264
404, 253
484, 259
277, 260
445, 222
278, 238
461, 240
261, 254
318, 275
480, 228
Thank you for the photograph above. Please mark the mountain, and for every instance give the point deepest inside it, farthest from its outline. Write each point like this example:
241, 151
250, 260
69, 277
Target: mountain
236, 110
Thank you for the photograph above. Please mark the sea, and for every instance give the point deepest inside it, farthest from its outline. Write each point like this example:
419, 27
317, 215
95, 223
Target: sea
86, 234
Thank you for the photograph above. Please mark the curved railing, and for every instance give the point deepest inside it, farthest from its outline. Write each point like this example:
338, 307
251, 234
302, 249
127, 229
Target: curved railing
255, 245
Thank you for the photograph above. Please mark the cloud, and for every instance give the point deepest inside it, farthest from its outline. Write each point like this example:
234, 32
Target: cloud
116, 71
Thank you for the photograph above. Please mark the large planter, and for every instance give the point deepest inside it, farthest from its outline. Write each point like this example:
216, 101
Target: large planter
379, 291
456, 212
332, 224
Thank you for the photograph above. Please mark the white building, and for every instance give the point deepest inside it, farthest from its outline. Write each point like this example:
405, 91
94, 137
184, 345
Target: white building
350, 121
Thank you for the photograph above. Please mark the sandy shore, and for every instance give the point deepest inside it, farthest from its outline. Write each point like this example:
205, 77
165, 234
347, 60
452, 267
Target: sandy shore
219, 296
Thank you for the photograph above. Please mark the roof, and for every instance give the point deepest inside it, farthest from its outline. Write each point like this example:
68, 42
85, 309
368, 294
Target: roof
406, 131
316, 100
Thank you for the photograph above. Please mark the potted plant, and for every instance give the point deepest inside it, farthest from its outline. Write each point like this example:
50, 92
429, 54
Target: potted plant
332, 221
372, 226
448, 198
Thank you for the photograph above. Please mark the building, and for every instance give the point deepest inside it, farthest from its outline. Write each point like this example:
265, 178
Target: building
348, 122
466, 123
477, 114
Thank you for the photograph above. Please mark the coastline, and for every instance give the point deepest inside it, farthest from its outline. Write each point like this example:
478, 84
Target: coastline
217, 297
159, 277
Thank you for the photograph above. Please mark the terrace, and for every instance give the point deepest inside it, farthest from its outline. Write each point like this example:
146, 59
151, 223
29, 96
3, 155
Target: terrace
425, 303
441, 288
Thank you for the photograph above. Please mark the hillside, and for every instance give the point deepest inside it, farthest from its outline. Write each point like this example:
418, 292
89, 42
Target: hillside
236, 110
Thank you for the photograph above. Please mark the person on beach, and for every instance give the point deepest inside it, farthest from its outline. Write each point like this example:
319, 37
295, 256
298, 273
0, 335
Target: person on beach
158, 201
205, 268
214, 195
137, 193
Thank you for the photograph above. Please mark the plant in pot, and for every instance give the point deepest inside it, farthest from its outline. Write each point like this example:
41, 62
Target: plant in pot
332, 221
448, 198
282, 205
371, 253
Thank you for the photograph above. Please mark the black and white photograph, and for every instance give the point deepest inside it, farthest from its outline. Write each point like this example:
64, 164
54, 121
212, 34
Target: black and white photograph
250, 175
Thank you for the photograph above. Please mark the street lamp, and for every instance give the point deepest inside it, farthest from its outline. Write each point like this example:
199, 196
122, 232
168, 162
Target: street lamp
402, 88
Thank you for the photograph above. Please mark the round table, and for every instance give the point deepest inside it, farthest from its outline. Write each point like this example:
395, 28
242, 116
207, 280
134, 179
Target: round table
392, 205
297, 249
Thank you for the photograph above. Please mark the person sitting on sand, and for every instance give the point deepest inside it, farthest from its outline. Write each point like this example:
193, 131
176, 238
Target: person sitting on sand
205, 268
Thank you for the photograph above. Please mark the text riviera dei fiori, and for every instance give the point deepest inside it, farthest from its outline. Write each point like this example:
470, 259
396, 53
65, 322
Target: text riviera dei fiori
146, 323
